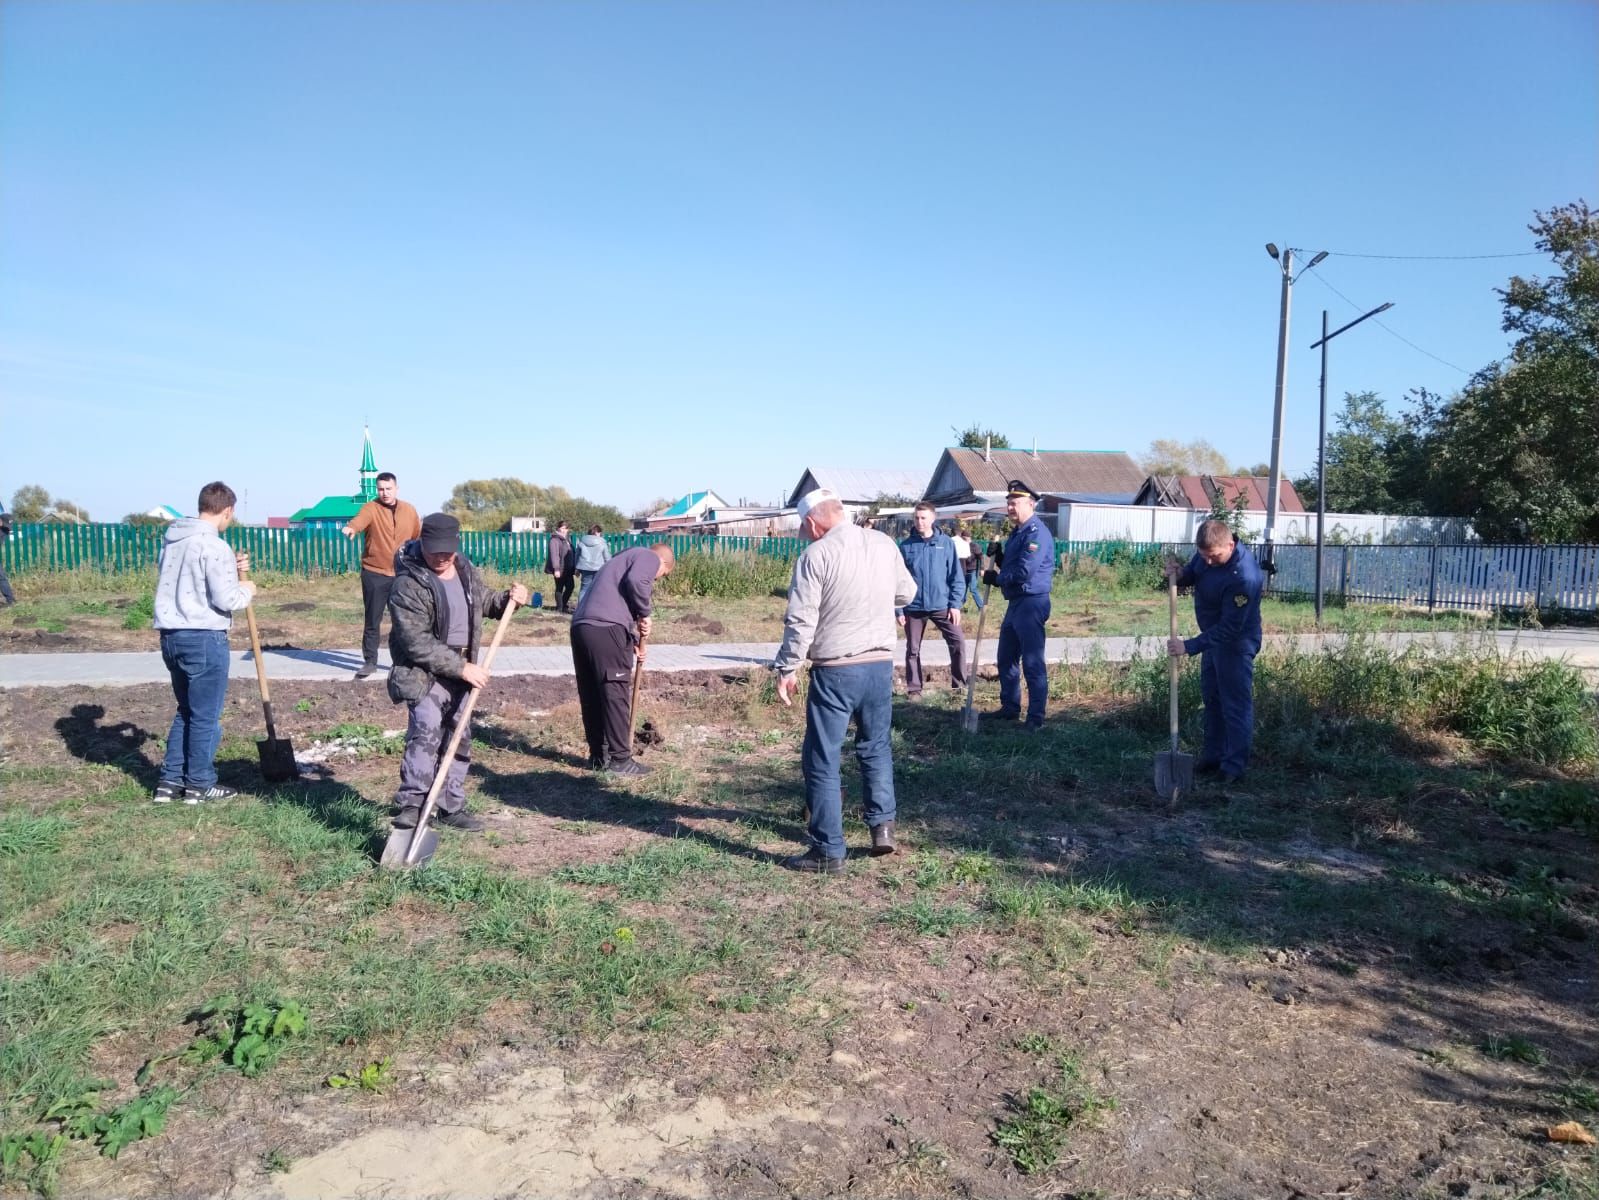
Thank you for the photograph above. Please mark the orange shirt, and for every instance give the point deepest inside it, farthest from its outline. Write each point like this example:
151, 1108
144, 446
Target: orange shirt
386, 529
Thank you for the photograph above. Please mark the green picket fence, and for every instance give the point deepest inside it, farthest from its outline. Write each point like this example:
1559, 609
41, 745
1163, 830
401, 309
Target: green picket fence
115, 549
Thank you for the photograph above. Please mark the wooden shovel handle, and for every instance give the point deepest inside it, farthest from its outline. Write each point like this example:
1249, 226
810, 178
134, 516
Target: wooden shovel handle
1171, 591
977, 642
638, 678
463, 718
260, 666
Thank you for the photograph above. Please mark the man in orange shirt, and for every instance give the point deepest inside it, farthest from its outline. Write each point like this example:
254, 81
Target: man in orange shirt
388, 523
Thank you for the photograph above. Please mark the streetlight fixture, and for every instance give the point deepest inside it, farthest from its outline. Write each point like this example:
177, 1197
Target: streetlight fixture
1321, 439
1275, 478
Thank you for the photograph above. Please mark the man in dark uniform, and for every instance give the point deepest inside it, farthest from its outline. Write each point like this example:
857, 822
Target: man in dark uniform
1024, 570
608, 631
1227, 587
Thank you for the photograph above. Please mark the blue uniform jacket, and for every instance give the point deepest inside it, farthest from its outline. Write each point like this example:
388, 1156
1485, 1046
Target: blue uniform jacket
1029, 567
1226, 602
940, 578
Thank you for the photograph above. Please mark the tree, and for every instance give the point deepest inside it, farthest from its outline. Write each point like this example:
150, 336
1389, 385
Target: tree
1168, 456
144, 518
66, 508
977, 438
490, 503
1363, 454
659, 504
29, 503
1517, 450
1258, 471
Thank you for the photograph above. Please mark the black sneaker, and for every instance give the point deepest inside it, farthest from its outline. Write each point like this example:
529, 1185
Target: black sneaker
1032, 726
814, 862
202, 795
463, 820
166, 793
1001, 714
367, 671
628, 768
407, 817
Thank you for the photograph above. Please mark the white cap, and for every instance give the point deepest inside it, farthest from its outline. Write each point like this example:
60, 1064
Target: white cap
811, 499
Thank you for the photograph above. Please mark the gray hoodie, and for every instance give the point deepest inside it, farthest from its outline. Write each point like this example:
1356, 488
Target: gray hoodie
198, 583
592, 552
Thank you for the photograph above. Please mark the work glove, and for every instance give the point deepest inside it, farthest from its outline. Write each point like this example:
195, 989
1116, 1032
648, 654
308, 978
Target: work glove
996, 552
991, 577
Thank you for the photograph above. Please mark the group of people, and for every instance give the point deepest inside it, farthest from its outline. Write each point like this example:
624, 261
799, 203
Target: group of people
852, 589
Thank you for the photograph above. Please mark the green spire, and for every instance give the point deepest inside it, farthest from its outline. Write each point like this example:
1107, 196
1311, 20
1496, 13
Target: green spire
369, 469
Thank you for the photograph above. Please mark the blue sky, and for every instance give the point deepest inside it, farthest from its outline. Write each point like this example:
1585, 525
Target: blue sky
638, 249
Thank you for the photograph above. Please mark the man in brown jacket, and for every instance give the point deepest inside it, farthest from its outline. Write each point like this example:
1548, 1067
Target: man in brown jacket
388, 523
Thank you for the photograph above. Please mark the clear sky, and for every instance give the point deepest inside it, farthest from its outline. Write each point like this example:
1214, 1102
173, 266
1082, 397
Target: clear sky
642, 248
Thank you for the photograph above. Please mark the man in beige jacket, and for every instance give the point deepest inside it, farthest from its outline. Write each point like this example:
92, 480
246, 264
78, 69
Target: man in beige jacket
841, 604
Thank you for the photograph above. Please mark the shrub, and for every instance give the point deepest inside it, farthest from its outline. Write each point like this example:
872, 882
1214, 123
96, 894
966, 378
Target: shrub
732, 576
140, 613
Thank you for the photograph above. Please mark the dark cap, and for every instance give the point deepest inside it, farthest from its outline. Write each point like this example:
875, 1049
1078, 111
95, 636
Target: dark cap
1017, 488
440, 532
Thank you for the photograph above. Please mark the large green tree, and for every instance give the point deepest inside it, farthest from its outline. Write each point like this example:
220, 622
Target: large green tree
1168, 456
1363, 460
975, 437
490, 503
29, 503
1517, 450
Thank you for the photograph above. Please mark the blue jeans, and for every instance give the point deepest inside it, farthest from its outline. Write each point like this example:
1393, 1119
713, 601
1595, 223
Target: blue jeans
1021, 651
865, 692
974, 590
198, 660
1227, 685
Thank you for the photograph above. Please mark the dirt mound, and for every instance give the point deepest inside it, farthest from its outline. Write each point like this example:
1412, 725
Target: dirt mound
704, 624
297, 606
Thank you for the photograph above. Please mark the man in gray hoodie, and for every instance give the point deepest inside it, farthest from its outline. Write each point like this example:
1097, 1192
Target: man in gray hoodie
591, 554
197, 592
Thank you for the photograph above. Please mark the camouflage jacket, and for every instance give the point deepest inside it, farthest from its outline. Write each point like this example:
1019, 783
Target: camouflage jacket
419, 622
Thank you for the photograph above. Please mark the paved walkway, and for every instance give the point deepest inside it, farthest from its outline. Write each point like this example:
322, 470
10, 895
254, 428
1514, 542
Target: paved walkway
1579, 646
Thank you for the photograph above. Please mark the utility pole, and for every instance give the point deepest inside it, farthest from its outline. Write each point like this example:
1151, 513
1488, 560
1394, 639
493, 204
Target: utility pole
1274, 478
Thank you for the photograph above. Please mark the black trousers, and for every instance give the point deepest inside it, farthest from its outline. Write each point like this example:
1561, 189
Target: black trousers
563, 590
375, 591
603, 658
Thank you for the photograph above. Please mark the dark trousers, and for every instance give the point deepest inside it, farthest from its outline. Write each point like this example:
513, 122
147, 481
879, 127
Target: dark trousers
563, 590
915, 627
5, 588
375, 589
1227, 685
603, 656
430, 727
197, 660
1021, 652
863, 692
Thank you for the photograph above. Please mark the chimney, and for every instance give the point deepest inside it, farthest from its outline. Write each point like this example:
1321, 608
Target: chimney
1035, 447
988, 449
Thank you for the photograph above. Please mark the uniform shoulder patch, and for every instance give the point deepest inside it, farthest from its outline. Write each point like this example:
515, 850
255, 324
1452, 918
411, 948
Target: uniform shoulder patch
1240, 600
1032, 545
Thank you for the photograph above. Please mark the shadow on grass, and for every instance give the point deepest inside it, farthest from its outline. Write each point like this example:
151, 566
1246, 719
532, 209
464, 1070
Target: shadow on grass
120, 744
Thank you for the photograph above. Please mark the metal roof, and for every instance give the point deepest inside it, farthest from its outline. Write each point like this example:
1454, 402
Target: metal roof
1091, 472
862, 485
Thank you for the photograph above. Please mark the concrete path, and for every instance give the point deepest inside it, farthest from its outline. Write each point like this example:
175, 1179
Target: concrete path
1579, 646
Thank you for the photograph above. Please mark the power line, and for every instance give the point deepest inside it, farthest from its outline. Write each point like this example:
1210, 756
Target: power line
1435, 257
1319, 278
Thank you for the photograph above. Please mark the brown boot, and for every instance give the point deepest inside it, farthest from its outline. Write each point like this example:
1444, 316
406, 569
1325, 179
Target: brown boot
882, 839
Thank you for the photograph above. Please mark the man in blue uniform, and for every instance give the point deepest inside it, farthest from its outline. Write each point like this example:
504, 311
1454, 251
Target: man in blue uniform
1024, 570
1227, 586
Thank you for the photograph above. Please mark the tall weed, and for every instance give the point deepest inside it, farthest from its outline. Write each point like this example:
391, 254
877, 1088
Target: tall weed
734, 576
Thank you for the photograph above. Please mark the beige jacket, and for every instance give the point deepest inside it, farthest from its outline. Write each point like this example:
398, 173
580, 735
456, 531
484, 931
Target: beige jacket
842, 598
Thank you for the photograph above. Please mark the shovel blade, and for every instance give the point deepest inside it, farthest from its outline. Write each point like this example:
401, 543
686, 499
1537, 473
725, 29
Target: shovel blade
968, 719
277, 760
1174, 774
399, 845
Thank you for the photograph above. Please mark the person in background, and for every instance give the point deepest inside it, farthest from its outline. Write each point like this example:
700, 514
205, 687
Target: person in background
1227, 585
1025, 571
7, 597
387, 523
561, 565
841, 601
966, 549
592, 554
197, 591
436, 612
609, 630
934, 563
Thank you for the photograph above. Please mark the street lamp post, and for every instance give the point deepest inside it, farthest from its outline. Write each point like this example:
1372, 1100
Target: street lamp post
1275, 476
1321, 445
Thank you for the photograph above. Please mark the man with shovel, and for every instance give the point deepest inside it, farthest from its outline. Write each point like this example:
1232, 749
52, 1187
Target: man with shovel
197, 591
1227, 587
841, 602
609, 627
436, 613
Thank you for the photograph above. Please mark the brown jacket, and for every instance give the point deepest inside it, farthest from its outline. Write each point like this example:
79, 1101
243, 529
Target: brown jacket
386, 529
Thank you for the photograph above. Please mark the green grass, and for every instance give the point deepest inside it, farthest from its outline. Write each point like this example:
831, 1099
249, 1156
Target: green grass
1040, 1123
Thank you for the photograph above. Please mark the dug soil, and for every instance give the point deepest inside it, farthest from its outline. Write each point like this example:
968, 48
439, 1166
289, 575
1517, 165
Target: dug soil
1314, 1067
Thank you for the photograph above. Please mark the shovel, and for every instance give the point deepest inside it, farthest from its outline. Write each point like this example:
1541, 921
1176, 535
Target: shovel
632, 706
1174, 772
414, 847
277, 754
969, 714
